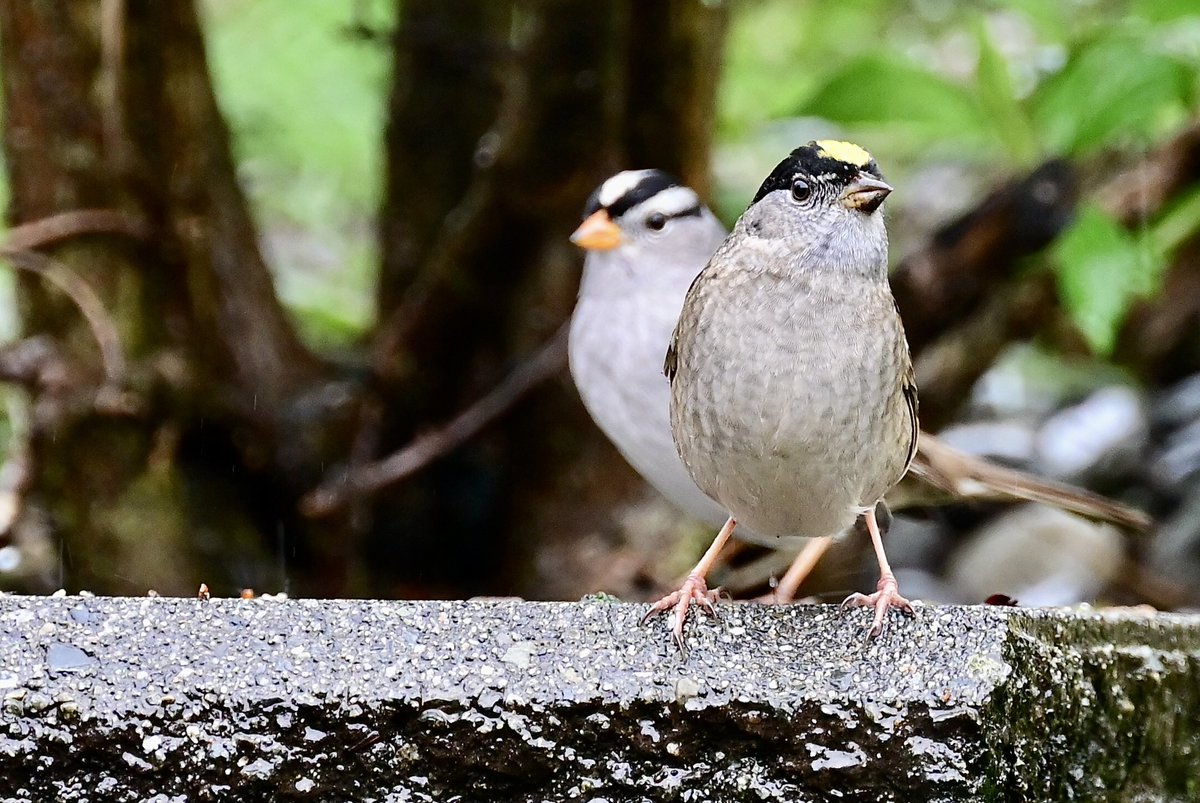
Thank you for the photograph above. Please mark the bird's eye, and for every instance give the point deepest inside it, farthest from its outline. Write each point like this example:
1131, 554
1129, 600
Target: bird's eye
801, 190
656, 221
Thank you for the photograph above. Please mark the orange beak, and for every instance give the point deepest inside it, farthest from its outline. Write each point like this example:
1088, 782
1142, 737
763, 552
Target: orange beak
597, 233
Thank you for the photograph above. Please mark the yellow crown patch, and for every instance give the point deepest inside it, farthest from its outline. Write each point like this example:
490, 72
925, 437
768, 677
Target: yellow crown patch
846, 152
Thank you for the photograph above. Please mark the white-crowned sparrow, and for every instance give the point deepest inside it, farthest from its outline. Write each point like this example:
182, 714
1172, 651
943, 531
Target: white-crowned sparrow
647, 238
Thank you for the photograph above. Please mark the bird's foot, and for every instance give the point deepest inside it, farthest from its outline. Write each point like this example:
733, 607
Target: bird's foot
886, 596
693, 590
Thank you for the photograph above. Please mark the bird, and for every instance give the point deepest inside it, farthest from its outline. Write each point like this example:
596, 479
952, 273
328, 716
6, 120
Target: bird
646, 237
793, 395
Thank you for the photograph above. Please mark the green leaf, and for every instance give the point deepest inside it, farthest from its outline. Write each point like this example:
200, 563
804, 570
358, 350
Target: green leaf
1100, 269
1110, 89
1165, 10
999, 100
888, 90
1050, 21
1177, 223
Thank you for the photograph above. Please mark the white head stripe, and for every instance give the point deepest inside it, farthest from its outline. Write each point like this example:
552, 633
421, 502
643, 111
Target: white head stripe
620, 184
671, 201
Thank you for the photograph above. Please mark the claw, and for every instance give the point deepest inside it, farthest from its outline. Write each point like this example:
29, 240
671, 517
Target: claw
886, 596
693, 590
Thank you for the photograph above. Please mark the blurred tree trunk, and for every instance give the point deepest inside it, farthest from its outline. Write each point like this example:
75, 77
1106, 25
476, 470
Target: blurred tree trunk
504, 118
176, 416
159, 470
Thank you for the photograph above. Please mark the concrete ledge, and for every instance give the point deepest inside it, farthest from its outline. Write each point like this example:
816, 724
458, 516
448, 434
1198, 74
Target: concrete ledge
173, 700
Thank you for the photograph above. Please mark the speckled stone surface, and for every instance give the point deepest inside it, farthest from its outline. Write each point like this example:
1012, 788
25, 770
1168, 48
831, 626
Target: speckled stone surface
189, 700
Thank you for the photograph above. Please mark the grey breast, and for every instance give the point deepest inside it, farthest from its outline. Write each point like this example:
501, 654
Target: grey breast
781, 408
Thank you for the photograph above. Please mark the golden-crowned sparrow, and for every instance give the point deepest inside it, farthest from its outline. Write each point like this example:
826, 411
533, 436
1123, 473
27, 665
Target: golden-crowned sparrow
793, 401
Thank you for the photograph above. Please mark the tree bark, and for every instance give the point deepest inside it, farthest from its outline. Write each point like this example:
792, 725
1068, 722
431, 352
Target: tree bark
478, 270
152, 478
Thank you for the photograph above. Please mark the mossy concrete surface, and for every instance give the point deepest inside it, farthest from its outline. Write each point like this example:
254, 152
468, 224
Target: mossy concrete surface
181, 699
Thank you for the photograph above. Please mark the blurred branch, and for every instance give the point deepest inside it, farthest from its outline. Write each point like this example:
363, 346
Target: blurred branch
951, 363
455, 209
458, 233
363, 448
65, 225
104, 329
948, 281
52, 229
1140, 191
371, 477
1158, 339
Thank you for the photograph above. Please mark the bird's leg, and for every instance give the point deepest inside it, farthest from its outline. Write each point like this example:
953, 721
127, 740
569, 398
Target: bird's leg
814, 551
801, 567
887, 593
694, 588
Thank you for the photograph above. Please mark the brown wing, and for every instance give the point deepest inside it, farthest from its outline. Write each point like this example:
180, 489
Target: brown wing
671, 361
909, 389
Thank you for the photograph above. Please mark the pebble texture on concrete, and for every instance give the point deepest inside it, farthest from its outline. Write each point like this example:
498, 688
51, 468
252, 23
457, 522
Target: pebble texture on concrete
189, 700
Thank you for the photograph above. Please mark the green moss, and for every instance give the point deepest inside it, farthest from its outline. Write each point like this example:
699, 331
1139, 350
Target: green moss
1100, 708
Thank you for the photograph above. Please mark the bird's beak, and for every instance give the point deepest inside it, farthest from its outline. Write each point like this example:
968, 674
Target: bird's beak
865, 194
597, 233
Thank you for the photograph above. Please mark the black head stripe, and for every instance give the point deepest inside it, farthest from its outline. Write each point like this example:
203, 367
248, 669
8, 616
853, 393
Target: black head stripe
810, 161
691, 211
593, 203
651, 184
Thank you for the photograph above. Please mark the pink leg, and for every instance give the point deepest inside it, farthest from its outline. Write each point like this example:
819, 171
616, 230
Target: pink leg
887, 593
801, 567
693, 589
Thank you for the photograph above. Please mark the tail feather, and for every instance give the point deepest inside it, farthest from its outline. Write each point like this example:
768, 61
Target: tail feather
965, 476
